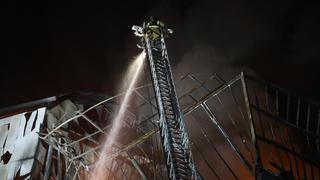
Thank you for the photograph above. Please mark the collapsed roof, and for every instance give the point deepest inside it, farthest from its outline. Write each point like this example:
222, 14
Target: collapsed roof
239, 129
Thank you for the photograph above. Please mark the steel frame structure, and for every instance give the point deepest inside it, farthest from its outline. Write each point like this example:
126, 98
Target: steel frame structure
244, 129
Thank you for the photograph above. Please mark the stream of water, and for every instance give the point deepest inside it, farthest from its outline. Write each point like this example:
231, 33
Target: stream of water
132, 75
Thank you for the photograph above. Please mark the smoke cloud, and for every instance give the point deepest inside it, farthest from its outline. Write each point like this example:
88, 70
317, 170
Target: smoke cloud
82, 46
273, 39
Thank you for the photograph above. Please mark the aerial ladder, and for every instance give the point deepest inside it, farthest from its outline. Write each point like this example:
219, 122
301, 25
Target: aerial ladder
176, 145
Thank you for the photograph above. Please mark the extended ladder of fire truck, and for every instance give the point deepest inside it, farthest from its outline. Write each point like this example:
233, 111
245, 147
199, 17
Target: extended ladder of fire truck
174, 136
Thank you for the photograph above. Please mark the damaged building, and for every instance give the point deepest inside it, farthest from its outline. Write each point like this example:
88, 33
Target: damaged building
243, 128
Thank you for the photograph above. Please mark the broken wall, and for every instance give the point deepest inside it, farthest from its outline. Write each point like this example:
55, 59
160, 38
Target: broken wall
19, 142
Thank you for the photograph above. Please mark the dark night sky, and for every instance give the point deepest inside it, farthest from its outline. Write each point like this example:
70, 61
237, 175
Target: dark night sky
57, 47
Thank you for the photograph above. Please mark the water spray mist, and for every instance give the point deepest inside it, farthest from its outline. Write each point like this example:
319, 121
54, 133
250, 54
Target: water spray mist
99, 171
